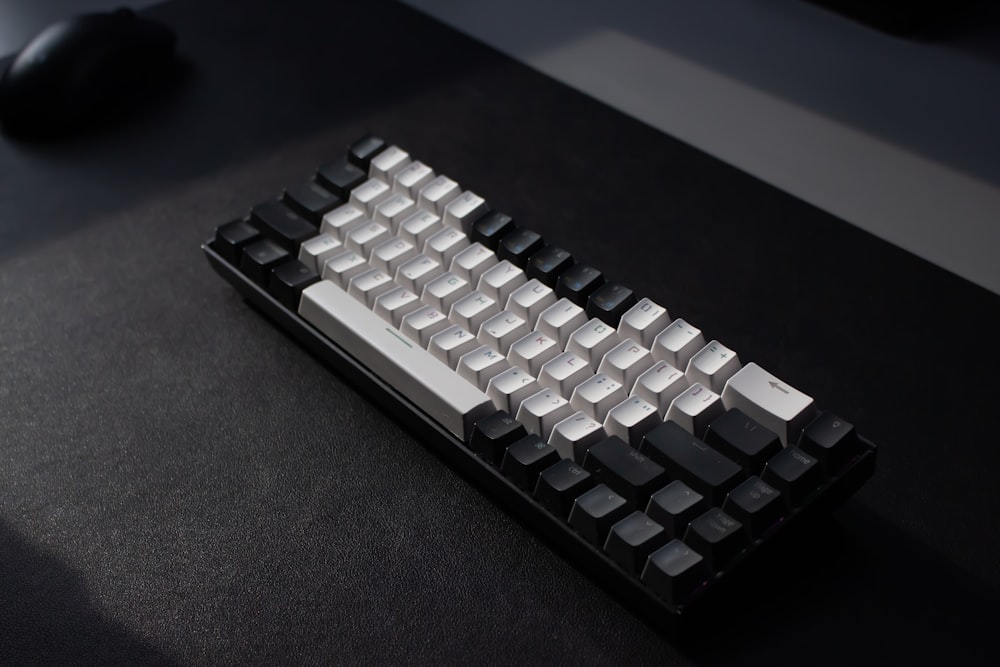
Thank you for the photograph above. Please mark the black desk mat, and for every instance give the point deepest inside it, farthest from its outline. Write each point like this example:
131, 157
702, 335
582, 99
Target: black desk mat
181, 483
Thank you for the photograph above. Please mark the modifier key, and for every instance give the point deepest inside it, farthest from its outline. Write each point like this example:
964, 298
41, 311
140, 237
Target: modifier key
693, 462
561, 484
625, 470
281, 224
492, 436
526, 459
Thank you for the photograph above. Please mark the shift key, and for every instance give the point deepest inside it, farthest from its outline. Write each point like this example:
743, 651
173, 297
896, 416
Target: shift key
692, 461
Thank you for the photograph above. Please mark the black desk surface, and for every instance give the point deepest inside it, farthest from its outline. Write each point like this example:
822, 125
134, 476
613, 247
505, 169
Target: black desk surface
181, 483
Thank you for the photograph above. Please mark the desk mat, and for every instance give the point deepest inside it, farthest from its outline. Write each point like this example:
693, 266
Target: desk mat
181, 483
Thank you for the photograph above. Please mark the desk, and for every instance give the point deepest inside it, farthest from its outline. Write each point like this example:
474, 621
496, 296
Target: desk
182, 483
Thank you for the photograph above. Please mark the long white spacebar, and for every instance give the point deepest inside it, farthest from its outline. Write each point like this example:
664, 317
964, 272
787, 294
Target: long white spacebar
449, 399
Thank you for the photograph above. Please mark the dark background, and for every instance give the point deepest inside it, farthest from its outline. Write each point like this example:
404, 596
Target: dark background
181, 483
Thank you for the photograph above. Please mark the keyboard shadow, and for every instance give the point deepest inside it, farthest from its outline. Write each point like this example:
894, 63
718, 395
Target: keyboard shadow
854, 589
48, 617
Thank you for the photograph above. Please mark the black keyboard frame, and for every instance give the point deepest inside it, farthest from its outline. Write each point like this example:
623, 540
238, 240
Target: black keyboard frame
673, 619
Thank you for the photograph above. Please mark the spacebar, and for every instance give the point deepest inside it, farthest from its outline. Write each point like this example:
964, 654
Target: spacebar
448, 398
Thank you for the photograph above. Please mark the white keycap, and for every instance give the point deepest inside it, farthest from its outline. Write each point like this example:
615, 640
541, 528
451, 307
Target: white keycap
445, 290
712, 366
395, 304
597, 395
501, 280
341, 220
394, 209
411, 178
771, 402
472, 261
532, 351
561, 319
643, 322
472, 310
386, 164
463, 209
660, 385
530, 299
449, 345
541, 412
343, 266
626, 362
419, 227
367, 286
437, 194
564, 372
632, 419
417, 272
314, 252
450, 400
573, 436
363, 239
423, 323
481, 364
367, 195
592, 341
444, 244
677, 344
391, 254
502, 330
510, 388
695, 409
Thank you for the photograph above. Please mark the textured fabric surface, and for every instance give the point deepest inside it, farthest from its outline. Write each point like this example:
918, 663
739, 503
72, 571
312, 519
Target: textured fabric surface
181, 483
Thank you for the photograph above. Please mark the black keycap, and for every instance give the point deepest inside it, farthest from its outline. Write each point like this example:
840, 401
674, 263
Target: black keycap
259, 258
281, 224
675, 506
674, 571
548, 264
493, 435
610, 301
492, 227
633, 539
692, 461
832, 440
717, 536
526, 459
743, 440
361, 152
340, 177
232, 237
577, 282
625, 470
596, 511
755, 504
288, 280
559, 485
311, 200
793, 472
519, 245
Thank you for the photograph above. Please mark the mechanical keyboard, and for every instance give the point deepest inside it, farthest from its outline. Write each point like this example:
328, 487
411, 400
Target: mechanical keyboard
657, 459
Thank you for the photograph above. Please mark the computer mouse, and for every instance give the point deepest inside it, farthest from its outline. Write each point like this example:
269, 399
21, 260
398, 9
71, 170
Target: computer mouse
77, 72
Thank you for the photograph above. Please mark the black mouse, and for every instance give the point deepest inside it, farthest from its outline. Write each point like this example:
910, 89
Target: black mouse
77, 72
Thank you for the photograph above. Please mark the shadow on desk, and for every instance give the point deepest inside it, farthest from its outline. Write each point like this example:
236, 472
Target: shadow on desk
910, 605
48, 617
